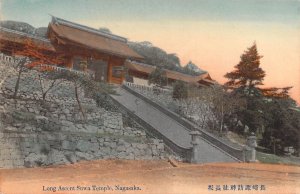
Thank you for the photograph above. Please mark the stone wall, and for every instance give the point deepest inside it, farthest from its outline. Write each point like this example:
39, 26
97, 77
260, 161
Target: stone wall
19, 149
37, 133
34, 134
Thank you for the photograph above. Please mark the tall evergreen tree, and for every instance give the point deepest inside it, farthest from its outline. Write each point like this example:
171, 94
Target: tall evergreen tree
247, 73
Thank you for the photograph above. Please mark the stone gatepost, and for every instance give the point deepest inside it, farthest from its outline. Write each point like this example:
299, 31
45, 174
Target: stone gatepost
196, 139
251, 145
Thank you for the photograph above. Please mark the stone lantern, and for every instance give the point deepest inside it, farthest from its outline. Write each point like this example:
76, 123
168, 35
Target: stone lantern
251, 145
196, 139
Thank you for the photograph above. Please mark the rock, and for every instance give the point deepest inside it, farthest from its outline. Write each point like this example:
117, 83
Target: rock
34, 159
122, 155
83, 146
84, 156
71, 158
142, 146
56, 157
105, 150
67, 123
94, 147
12, 129
160, 146
91, 128
68, 145
93, 139
121, 148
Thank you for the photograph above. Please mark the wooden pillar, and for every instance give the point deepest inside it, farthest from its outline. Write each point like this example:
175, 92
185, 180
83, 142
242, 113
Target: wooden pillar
69, 62
109, 70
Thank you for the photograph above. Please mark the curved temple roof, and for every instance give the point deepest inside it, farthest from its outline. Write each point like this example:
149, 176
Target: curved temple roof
91, 38
145, 68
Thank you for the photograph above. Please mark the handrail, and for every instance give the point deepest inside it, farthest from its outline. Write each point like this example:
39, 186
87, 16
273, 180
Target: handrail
185, 153
144, 87
63, 69
11, 60
234, 152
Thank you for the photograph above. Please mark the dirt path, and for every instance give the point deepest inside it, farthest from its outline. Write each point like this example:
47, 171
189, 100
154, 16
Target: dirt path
155, 177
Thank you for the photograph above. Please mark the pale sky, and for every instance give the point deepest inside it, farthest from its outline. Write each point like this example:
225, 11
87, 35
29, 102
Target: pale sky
212, 33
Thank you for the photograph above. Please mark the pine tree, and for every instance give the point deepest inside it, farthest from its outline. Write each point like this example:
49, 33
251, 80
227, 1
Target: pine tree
247, 73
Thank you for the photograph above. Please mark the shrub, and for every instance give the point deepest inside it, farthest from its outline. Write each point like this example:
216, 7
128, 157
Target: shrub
180, 90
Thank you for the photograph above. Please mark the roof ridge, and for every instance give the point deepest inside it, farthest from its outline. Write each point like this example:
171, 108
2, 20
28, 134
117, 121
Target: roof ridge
145, 64
57, 20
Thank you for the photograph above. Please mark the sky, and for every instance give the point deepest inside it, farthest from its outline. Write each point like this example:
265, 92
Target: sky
211, 33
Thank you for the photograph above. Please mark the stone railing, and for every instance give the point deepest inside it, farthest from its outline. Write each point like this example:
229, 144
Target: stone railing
9, 60
63, 69
236, 152
146, 88
6, 59
183, 153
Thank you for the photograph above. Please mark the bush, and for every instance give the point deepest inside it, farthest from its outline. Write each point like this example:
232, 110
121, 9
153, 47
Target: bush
180, 90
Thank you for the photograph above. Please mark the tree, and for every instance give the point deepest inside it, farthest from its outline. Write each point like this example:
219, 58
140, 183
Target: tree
32, 58
86, 84
282, 125
180, 90
247, 74
223, 106
105, 30
276, 92
158, 57
158, 77
49, 76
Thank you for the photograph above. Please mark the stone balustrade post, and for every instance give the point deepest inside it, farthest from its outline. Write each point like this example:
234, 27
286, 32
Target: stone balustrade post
251, 144
196, 139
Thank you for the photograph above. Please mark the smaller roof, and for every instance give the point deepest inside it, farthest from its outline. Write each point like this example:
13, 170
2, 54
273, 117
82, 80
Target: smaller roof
20, 38
91, 38
145, 68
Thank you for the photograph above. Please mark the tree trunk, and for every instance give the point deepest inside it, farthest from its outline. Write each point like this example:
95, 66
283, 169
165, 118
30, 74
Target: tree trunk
78, 101
222, 119
44, 96
17, 84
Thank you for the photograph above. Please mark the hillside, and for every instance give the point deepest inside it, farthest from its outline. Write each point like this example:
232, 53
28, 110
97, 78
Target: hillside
24, 27
158, 57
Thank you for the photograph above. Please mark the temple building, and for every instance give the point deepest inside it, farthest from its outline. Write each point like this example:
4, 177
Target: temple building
107, 56
139, 73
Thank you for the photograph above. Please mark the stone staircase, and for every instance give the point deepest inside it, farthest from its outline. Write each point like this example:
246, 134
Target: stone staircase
175, 132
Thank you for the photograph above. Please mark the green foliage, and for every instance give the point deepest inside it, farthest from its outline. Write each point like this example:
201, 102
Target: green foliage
105, 30
247, 74
158, 77
268, 112
192, 69
282, 125
273, 159
223, 105
180, 90
158, 57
